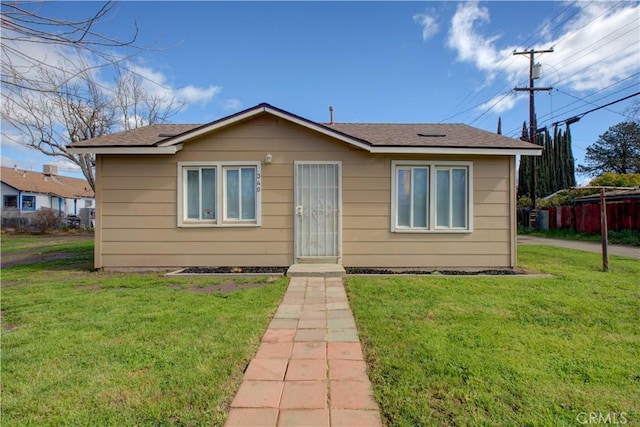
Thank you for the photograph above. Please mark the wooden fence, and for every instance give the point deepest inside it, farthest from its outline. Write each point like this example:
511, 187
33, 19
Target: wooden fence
585, 218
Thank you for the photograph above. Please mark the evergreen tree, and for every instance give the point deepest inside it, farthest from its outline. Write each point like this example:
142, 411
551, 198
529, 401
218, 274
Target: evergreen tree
555, 169
569, 161
617, 150
524, 170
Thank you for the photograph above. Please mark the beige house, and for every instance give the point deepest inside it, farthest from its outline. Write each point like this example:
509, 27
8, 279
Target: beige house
265, 187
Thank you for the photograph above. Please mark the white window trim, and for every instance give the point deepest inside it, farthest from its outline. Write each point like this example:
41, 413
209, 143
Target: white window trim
219, 221
433, 167
226, 219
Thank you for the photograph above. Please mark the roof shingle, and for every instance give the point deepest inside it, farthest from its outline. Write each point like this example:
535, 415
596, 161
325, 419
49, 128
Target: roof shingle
405, 135
36, 182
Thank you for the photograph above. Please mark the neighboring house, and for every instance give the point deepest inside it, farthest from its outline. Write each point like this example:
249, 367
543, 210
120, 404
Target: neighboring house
265, 187
27, 191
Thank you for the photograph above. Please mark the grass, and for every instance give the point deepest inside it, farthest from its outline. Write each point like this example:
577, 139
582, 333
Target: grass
506, 350
623, 237
98, 348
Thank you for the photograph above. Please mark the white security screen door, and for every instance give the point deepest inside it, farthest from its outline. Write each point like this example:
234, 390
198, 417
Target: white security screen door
317, 211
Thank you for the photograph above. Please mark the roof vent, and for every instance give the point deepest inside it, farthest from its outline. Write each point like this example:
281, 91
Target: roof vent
330, 115
431, 135
167, 135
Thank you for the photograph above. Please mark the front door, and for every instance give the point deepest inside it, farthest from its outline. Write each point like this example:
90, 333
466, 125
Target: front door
317, 213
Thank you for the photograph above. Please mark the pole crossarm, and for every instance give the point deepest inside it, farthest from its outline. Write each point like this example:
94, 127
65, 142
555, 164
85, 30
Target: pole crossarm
531, 51
532, 120
524, 89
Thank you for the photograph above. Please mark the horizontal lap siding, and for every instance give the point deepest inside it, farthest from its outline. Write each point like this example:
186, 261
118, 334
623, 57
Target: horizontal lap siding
368, 241
139, 197
138, 207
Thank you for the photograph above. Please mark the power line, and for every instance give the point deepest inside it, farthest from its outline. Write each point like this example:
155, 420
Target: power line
577, 118
502, 68
633, 86
603, 41
565, 109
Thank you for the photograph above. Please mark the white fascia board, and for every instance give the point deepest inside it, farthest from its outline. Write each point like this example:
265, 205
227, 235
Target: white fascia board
172, 149
456, 150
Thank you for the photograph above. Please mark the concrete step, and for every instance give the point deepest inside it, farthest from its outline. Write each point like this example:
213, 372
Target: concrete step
316, 270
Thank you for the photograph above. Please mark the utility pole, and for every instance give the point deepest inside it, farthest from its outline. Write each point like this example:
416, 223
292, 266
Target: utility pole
534, 73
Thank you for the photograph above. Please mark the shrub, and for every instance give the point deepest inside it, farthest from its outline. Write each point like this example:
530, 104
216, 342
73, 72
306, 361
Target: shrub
617, 180
524, 201
565, 197
45, 220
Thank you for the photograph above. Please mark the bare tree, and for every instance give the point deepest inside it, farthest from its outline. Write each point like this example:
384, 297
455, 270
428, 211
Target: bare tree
137, 105
83, 108
23, 24
48, 121
52, 100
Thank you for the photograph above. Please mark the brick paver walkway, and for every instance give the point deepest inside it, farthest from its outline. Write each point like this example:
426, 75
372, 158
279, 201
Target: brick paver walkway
309, 369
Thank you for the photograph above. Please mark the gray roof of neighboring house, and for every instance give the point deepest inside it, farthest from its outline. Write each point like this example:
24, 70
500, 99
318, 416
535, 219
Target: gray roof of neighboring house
405, 135
611, 195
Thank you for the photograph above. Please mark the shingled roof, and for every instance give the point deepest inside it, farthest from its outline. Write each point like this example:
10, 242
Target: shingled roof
426, 135
373, 137
36, 182
144, 136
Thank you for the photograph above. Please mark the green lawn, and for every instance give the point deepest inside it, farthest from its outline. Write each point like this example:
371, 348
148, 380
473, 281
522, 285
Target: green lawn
624, 237
97, 348
505, 350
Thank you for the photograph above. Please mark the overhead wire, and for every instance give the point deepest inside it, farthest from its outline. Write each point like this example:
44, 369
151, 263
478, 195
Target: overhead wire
564, 111
581, 115
562, 40
501, 69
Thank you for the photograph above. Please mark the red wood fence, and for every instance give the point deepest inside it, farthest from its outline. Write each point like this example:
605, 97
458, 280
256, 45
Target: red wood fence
585, 218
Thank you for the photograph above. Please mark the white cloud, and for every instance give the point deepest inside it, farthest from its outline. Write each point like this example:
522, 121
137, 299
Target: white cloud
500, 103
157, 84
430, 26
598, 46
231, 104
193, 94
65, 165
467, 41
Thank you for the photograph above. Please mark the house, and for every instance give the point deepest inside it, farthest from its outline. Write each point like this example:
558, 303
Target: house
265, 187
25, 191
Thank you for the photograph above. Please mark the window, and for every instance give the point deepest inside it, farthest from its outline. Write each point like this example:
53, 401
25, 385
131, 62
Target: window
240, 191
10, 202
200, 194
431, 196
412, 193
451, 198
28, 203
218, 194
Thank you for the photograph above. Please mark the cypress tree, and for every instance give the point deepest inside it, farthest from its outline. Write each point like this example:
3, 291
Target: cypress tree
555, 169
524, 170
569, 161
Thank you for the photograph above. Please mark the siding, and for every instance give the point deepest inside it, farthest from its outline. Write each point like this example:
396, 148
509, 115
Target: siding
137, 216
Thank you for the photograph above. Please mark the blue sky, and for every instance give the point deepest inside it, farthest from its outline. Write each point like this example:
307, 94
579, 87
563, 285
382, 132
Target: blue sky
383, 61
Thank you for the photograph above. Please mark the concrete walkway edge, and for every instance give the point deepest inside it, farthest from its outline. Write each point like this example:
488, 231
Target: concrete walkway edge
309, 369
